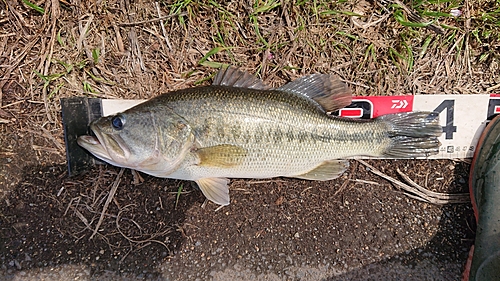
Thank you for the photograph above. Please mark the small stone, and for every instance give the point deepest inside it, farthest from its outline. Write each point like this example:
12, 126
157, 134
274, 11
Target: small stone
455, 12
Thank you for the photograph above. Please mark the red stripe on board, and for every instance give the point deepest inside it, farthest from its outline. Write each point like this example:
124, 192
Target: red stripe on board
351, 112
497, 109
383, 105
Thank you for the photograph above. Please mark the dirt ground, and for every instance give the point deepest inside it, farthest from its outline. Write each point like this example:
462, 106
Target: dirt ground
357, 227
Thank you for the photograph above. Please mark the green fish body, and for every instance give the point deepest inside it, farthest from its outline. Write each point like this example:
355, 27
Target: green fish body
240, 128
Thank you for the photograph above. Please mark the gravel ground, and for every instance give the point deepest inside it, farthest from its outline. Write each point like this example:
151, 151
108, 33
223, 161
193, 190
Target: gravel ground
280, 229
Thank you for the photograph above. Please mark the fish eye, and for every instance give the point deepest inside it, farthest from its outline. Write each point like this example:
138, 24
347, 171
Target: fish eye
117, 122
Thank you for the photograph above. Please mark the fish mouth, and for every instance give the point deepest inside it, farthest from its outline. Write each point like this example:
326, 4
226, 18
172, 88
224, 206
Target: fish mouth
94, 146
106, 147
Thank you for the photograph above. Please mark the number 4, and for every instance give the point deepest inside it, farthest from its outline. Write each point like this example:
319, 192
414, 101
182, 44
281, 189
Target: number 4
449, 129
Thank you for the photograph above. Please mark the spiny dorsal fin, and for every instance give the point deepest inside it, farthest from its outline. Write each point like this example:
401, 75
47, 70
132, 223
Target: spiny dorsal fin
327, 90
222, 156
232, 76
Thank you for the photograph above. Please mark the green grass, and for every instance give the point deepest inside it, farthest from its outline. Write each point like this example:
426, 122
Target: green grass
50, 79
261, 8
317, 29
34, 7
178, 7
425, 46
95, 55
87, 88
486, 32
178, 195
204, 60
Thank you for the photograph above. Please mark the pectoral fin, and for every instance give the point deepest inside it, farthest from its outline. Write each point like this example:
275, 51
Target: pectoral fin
327, 170
221, 156
215, 189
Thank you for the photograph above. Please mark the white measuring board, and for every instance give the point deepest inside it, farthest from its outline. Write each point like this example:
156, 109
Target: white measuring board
110, 107
463, 117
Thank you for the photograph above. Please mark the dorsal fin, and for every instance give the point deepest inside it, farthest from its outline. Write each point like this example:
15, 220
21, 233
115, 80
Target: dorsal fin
327, 90
232, 76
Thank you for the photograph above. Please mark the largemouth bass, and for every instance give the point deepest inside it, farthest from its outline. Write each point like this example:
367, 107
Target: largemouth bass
240, 128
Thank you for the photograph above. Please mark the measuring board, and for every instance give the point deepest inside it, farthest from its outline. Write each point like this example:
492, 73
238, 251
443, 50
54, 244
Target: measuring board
463, 118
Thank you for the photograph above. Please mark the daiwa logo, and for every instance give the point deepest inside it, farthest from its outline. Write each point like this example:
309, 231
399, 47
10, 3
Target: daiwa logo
399, 104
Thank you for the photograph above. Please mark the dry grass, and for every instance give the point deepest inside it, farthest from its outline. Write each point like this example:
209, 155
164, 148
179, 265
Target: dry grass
139, 49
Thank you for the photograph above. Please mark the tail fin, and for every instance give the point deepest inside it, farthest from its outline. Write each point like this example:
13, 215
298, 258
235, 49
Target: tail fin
413, 134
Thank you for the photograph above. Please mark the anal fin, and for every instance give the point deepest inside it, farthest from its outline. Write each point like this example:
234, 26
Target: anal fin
215, 189
327, 170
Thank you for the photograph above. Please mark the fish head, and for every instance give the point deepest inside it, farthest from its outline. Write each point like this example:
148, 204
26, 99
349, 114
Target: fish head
153, 141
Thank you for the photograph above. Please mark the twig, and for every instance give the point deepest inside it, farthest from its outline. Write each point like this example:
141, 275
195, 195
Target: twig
108, 200
83, 219
7, 34
47, 57
15, 62
134, 43
357, 84
343, 186
151, 20
369, 24
83, 32
119, 40
263, 181
442, 196
70, 203
11, 104
467, 31
49, 136
137, 177
149, 240
366, 182
493, 88
417, 192
163, 27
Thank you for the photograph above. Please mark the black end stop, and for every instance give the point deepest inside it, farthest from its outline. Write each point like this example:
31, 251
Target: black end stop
77, 113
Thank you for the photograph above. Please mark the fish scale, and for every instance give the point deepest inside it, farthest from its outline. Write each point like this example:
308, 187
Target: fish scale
240, 128
304, 134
